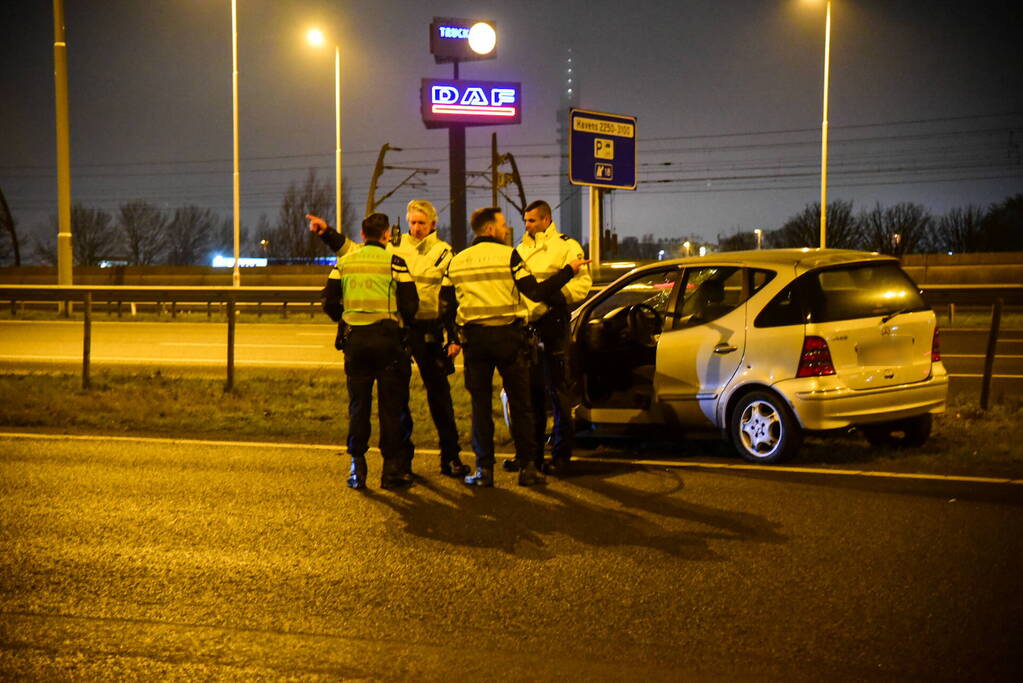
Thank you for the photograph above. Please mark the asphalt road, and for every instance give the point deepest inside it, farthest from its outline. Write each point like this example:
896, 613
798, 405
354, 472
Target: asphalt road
27, 344
124, 559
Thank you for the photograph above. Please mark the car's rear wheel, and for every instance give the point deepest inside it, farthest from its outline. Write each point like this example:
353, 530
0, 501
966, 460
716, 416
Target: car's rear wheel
911, 432
763, 429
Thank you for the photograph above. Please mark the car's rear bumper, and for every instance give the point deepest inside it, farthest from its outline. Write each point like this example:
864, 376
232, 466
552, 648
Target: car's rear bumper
822, 403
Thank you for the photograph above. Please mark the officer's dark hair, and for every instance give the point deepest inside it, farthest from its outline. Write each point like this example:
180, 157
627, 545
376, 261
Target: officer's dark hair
481, 218
375, 225
541, 205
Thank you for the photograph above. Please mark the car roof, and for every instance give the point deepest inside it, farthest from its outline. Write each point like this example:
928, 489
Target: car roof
801, 260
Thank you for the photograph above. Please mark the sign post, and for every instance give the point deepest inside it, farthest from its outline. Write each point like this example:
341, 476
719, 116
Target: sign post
601, 154
447, 105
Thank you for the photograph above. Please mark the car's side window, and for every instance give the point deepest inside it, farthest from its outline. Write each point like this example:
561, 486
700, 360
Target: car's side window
786, 308
758, 278
652, 288
710, 292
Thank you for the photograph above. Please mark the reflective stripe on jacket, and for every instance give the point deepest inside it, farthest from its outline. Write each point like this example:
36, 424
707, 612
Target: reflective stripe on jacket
548, 252
427, 259
484, 282
369, 278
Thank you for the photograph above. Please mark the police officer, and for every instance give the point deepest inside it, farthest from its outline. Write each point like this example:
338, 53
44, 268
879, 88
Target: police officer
489, 277
371, 295
545, 252
428, 258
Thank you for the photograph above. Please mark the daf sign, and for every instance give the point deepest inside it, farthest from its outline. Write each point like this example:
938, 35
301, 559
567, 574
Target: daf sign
473, 103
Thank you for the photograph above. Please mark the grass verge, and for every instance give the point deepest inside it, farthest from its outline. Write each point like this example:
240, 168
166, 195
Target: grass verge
305, 406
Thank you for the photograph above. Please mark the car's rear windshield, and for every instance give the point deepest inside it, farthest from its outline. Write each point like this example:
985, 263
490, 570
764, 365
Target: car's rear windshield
844, 293
860, 291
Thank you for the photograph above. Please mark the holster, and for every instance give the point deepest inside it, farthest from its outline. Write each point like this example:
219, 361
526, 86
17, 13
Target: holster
532, 338
343, 332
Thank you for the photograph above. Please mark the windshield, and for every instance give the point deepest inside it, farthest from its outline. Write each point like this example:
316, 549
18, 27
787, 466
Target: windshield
860, 291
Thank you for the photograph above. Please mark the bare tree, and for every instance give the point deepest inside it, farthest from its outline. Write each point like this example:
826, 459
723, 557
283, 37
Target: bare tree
222, 240
93, 237
959, 230
804, 229
8, 233
143, 228
44, 251
738, 241
897, 230
290, 236
1003, 225
188, 235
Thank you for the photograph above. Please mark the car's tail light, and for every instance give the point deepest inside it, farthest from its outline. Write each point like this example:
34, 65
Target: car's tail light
815, 361
936, 346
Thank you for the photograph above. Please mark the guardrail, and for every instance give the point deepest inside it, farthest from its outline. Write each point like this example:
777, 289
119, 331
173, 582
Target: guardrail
949, 295
86, 295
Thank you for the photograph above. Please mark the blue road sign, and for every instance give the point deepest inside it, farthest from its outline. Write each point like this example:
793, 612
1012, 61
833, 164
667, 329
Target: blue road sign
602, 149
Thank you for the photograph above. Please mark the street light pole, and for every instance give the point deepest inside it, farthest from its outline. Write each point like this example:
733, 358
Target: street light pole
316, 38
824, 127
337, 122
64, 252
236, 277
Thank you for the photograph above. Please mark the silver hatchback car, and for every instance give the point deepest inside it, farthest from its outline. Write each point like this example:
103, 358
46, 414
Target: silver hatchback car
763, 346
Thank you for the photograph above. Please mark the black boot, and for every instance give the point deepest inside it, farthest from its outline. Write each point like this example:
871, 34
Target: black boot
559, 467
357, 472
453, 467
529, 475
484, 477
510, 465
396, 474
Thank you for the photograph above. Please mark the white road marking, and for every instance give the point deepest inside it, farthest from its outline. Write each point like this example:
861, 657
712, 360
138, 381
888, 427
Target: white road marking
980, 374
811, 470
979, 355
776, 469
187, 361
223, 345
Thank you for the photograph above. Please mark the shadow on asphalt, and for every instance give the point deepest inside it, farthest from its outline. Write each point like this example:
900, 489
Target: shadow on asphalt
509, 519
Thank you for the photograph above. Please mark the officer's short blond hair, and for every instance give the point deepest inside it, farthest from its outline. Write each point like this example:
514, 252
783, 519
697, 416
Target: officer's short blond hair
424, 207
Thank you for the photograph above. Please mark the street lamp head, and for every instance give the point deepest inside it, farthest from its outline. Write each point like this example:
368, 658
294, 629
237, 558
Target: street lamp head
482, 38
315, 37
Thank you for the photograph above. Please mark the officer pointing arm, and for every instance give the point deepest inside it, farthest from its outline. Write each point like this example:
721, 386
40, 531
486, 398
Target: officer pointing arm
337, 241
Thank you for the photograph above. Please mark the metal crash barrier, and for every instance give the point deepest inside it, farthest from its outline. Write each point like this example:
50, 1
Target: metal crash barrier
996, 296
87, 295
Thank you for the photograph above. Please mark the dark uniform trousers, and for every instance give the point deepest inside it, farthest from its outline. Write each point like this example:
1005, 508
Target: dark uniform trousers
504, 348
550, 378
427, 345
375, 353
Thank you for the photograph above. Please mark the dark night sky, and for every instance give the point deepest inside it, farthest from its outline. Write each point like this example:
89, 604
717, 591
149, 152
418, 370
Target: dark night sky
925, 102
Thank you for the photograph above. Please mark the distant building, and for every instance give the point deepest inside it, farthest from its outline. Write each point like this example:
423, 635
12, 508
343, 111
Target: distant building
570, 217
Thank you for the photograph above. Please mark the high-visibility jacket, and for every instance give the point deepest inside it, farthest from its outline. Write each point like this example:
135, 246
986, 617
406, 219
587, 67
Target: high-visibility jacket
490, 280
368, 281
548, 252
428, 261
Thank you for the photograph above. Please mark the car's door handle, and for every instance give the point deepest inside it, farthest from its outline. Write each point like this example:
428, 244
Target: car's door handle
725, 348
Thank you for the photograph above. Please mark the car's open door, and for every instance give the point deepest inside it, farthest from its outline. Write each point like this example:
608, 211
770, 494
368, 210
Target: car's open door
700, 352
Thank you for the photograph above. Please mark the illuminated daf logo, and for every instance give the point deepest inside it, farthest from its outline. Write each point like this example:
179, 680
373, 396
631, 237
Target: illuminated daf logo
473, 103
